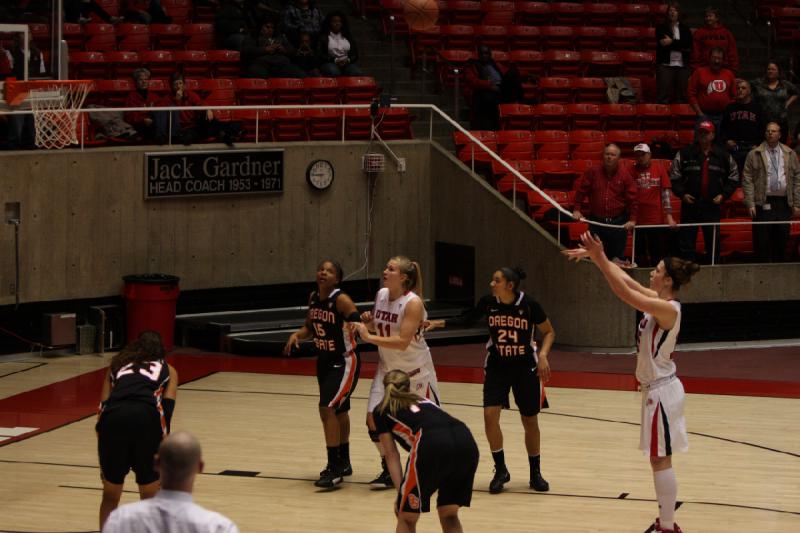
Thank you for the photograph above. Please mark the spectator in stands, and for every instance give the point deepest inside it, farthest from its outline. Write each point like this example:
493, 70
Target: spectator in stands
305, 57
711, 89
654, 195
771, 184
179, 461
234, 24
337, 51
186, 126
302, 16
144, 12
714, 35
21, 132
270, 56
673, 53
612, 200
703, 175
80, 11
141, 96
776, 96
490, 85
742, 125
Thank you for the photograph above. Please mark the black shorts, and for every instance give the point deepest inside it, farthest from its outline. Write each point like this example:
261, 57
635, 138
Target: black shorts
337, 377
444, 460
128, 436
521, 379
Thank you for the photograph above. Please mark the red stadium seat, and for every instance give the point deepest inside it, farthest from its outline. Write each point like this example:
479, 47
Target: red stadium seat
462, 12
123, 63
467, 149
322, 90
323, 124
550, 116
88, 65
458, 37
557, 37
635, 14
358, 89
567, 13
683, 116
449, 60
533, 13
288, 125
358, 124
625, 139
253, 91
398, 25
134, 37
199, 36
194, 63
40, 33
516, 117
497, 12
734, 206
562, 62
600, 64
500, 172
114, 93
555, 89
287, 91
577, 137
588, 151
654, 116
667, 136
591, 37
592, 90
167, 36
425, 44
224, 63
394, 123
515, 144
99, 37
553, 143
160, 62
179, 10
528, 62
584, 115
601, 14
619, 116
637, 63
736, 240
524, 37
73, 35
624, 38
556, 174
256, 126
495, 37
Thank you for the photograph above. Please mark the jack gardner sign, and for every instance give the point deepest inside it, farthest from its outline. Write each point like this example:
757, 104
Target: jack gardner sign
172, 174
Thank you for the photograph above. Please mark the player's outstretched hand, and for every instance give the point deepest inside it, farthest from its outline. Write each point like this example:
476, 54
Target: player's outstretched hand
591, 247
366, 317
292, 344
428, 325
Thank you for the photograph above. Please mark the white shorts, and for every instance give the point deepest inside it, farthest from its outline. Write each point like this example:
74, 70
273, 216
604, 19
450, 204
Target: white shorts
663, 425
423, 383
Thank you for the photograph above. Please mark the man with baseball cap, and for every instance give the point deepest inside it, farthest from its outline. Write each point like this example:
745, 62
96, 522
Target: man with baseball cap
703, 175
653, 190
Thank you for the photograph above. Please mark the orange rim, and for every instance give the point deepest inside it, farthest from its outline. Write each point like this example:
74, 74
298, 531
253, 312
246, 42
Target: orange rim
17, 90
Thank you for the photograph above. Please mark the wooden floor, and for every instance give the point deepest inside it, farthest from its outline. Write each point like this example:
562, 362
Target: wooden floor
742, 471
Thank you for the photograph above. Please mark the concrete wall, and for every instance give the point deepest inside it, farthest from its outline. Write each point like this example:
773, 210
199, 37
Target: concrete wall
85, 222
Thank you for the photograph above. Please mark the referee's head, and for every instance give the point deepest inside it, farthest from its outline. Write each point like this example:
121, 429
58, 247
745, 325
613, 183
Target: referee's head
179, 460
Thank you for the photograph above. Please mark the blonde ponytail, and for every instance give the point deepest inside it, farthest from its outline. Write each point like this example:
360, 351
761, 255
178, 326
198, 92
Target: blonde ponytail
413, 272
397, 392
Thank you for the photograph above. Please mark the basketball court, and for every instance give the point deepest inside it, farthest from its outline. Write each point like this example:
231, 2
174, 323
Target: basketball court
257, 421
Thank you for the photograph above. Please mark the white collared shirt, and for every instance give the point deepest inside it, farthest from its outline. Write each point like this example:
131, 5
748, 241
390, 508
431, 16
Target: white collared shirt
338, 45
169, 511
776, 174
676, 57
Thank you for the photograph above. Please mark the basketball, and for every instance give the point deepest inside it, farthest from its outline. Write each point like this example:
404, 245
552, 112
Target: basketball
421, 14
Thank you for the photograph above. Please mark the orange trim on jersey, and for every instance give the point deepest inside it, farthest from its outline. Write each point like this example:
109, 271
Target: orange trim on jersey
542, 395
654, 433
411, 481
160, 408
347, 383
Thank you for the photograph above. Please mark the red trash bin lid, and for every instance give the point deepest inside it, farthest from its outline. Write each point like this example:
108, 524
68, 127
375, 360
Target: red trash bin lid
154, 279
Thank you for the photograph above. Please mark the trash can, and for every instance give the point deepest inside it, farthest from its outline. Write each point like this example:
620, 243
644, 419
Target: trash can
150, 305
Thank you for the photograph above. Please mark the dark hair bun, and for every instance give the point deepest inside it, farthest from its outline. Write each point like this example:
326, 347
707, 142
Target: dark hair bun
521, 273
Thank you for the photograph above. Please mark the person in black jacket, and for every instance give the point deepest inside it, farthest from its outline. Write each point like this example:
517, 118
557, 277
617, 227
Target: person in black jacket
336, 48
703, 175
269, 56
673, 52
234, 24
743, 124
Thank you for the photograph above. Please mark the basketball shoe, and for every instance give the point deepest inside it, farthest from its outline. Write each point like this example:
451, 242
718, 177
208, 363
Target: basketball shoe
501, 477
384, 479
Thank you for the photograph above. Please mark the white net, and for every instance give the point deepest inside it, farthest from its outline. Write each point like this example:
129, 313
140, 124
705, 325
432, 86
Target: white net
55, 113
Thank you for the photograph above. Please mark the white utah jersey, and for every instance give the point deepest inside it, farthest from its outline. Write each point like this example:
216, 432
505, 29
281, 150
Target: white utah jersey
655, 347
387, 316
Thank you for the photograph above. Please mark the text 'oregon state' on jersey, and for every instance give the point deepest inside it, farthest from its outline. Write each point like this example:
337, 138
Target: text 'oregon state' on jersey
511, 326
328, 326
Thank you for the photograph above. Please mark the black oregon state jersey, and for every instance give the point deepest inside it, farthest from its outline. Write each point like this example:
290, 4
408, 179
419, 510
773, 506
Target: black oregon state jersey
331, 337
139, 382
408, 425
511, 326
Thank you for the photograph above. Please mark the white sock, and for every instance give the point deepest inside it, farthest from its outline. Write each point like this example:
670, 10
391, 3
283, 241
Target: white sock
667, 494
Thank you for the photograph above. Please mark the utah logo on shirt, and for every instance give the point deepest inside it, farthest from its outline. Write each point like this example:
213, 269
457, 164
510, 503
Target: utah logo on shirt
717, 86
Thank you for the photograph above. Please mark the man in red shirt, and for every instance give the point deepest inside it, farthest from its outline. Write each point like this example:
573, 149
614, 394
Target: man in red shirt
142, 96
713, 35
654, 191
612, 200
712, 88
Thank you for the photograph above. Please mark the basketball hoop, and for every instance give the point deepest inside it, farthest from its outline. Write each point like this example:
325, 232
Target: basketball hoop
56, 106
372, 162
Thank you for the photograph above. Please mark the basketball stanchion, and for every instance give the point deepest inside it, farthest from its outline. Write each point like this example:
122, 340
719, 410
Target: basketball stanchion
55, 105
